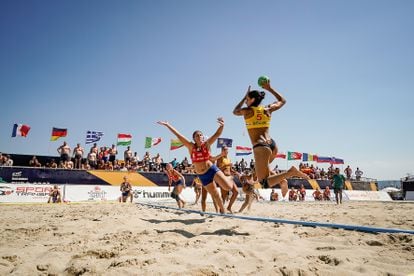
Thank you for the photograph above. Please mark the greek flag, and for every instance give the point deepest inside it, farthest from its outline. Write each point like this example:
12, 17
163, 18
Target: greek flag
93, 136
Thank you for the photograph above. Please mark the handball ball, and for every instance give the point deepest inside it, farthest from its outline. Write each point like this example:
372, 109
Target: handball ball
262, 80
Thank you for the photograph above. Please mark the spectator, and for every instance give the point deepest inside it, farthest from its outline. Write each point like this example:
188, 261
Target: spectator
104, 154
126, 190
358, 174
327, 194
323, 173
113, 151
317, 195
293, 194
174, 163
92, 159
68, 164
135, 158
55, 195
252, 164
185, 163
78, 154
7, 161
94, 149
274, 196
338, 181
34, 162
64, 151
1, 159
302, 193
243, 165
318, 173
348, 172
147, 158
157, 160
53, 164
127, 156
123, 168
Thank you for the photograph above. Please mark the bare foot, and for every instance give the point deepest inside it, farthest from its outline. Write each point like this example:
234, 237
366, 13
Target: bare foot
295, 172
230, 211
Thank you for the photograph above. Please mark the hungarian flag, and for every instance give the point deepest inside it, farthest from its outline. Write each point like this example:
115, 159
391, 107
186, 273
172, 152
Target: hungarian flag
58, 132
281, 155
150, 142
292, 155
20, 130
124, 139
175, 144
243, 150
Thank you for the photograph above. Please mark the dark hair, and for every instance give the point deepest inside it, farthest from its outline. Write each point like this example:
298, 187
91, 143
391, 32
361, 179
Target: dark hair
195, 132
258, 96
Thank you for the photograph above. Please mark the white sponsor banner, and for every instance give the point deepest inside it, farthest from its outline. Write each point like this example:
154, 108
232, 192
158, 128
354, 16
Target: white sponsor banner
10, 193
368, 195
15, 193
76, 193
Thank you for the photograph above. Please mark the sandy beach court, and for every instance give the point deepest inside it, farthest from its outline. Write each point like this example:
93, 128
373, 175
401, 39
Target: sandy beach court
127, 239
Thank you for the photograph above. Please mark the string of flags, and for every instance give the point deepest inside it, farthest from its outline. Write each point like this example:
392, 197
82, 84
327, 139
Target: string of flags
124, 139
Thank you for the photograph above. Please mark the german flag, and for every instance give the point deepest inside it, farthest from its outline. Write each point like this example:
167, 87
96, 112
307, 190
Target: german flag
57, 133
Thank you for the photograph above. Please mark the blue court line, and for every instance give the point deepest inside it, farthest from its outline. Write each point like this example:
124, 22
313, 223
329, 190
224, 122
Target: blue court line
296, 222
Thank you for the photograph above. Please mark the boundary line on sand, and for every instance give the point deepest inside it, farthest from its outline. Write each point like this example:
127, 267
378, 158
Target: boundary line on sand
359, 228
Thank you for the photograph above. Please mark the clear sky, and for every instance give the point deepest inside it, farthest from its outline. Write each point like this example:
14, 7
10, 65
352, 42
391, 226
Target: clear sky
346, 69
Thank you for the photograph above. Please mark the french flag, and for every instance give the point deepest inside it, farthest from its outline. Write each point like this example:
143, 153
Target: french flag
20, 130
243, 150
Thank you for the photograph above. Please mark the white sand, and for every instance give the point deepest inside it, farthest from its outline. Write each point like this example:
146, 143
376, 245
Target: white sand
125, 239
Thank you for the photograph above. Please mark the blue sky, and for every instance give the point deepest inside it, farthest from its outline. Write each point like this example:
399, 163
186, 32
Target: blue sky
346, 69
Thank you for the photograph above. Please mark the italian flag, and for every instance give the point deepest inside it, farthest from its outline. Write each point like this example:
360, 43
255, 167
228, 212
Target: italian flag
124, 139
149, 142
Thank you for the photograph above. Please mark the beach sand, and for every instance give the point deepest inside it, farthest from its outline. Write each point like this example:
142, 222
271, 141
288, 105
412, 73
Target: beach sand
128, 239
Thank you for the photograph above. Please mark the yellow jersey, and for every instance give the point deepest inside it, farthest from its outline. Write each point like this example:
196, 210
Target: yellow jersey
259, 118
223, 162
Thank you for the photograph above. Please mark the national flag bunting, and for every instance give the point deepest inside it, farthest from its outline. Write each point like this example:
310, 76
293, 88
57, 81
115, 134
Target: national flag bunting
150, 142
20, 130
221, 142
281, 155
175, 144
323, 159
57, 133
124, 139
308, 157
243, 150
93, 136
337, 161
292, 155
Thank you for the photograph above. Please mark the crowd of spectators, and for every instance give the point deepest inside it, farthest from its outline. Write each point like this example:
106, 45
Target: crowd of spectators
315, 172
105, 158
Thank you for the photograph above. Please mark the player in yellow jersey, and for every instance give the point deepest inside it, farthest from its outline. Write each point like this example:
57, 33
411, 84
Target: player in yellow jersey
257, 118
224, 164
